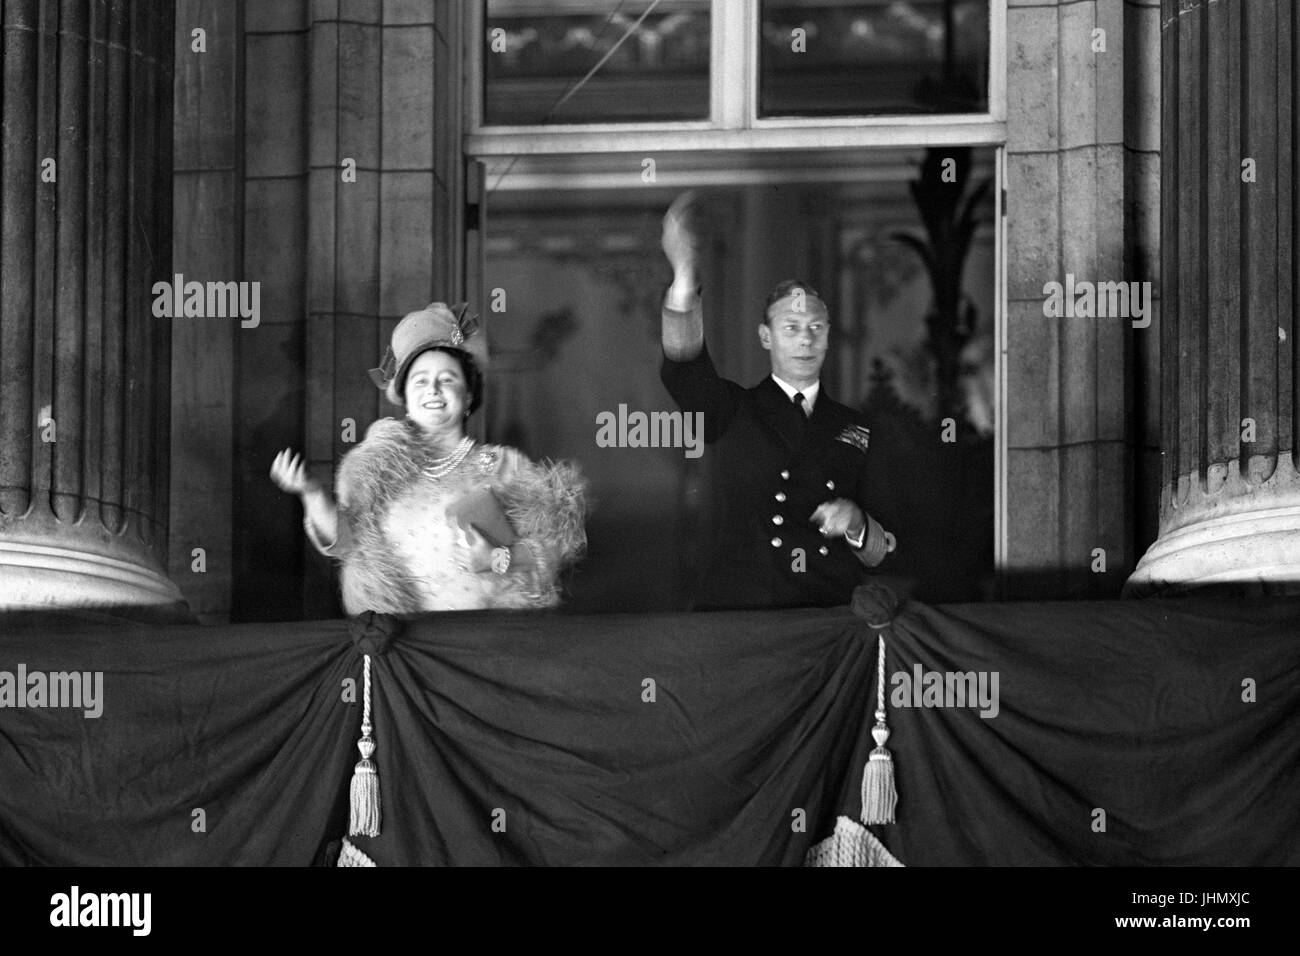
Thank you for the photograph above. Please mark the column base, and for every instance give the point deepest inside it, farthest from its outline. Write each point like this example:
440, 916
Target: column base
35, 577
1242, 538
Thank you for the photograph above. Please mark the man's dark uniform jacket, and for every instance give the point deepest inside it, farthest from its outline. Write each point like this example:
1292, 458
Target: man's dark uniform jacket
776, 467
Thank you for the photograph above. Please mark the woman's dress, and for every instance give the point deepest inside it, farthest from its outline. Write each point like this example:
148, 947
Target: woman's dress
398, 546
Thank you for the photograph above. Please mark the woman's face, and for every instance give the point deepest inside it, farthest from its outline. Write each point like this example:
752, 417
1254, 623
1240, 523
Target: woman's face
437, 395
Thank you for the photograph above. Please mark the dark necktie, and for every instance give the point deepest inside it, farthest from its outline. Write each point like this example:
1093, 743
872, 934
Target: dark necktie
800, 422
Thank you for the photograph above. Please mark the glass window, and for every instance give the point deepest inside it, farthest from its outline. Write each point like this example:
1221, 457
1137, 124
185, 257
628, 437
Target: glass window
537, 55
837, 58
911, 347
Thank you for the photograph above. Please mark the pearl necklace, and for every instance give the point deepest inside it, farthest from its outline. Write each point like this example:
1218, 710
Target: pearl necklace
441, 467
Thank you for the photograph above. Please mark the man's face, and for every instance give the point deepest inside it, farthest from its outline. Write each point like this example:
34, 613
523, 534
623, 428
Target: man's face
796, 334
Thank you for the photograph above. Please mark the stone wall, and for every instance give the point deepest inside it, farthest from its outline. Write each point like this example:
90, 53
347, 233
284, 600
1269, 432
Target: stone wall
286, 92
1082, 198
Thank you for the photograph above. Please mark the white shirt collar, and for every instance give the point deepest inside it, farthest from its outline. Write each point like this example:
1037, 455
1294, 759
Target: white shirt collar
809, 393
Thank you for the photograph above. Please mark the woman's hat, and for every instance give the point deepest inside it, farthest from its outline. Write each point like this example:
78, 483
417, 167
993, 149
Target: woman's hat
437, 325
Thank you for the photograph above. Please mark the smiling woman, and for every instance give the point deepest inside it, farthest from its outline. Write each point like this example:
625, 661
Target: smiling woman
425, 520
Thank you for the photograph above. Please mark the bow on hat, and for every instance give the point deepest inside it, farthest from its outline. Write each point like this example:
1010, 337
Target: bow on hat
436, 325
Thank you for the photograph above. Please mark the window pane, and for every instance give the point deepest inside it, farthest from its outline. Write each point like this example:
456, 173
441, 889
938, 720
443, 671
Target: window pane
884, 56
536, 54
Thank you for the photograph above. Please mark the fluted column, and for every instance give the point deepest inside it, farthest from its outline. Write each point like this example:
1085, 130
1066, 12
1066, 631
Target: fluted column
1230, 503
85, 157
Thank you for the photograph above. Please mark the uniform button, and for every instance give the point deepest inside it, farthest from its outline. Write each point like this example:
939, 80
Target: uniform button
830, 486
785, 475
777, 519
776, 542
823, 551
780, 496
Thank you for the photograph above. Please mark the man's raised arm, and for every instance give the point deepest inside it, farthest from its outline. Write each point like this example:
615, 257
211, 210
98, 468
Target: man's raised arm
687, 370
683, 320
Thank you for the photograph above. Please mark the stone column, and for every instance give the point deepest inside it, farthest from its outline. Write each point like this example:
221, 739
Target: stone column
85, 161
1230, 501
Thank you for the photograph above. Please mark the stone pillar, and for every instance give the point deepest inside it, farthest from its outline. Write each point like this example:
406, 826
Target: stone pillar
383, 91
85, 169
1081, 179
318, 153
206, 246
1230, 501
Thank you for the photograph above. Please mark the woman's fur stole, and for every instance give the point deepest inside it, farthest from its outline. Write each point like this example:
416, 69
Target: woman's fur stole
545, 504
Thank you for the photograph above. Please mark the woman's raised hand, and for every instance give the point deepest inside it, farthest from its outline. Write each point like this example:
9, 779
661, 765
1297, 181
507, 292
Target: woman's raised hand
290, 473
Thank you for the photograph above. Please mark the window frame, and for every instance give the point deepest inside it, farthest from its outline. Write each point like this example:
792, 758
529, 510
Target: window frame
733, 121
734, 127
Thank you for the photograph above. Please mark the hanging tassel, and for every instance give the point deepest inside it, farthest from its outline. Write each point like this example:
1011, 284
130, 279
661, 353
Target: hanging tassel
364, 795
879, 797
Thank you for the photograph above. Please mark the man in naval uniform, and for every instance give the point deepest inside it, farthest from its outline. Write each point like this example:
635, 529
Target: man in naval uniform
794, 528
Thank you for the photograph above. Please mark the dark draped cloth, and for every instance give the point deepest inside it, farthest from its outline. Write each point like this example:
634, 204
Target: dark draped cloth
1139, 732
